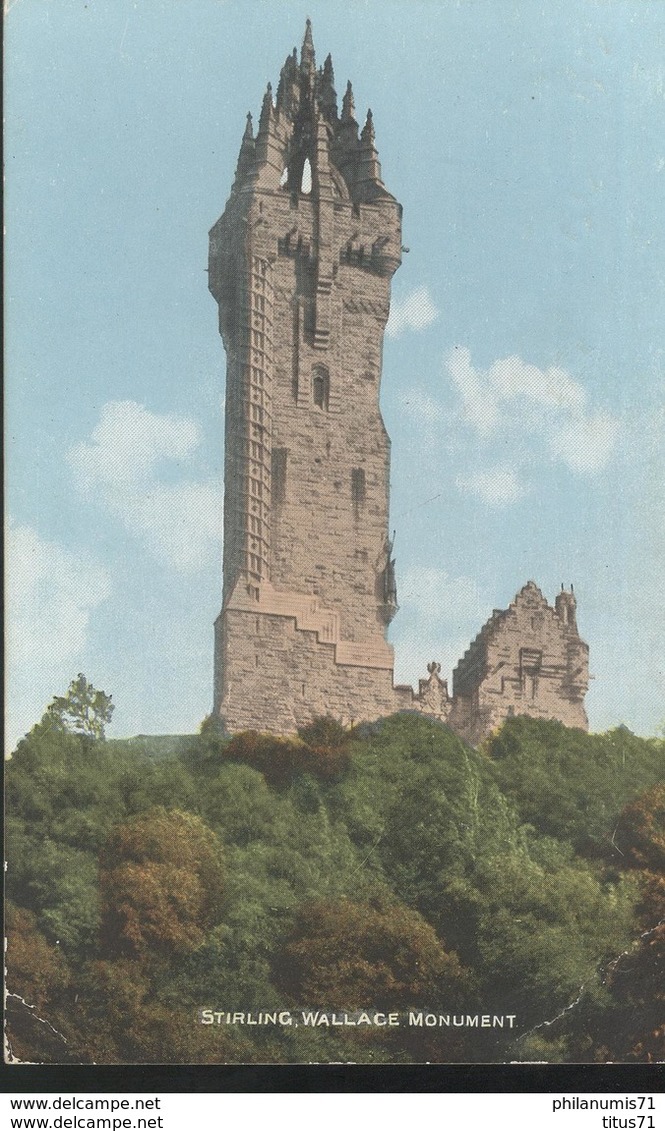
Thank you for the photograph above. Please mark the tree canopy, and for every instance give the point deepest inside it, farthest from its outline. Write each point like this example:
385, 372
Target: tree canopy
390, 866
161, 883
83, 710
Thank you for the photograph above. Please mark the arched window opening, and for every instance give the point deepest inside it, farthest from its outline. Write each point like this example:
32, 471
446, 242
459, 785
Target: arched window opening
284, 177
306, 183
321, 388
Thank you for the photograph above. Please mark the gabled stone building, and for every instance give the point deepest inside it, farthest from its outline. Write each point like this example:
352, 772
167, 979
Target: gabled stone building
527, 660
300, 265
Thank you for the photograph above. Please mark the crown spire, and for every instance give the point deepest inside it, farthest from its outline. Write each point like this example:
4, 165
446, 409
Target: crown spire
368, 176
246, 155
266, 108
307, 58
327, 93
288, 94
300, 123
368, 134
348, 105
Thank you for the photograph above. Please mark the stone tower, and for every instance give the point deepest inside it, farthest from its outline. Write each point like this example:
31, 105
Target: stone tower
300, 266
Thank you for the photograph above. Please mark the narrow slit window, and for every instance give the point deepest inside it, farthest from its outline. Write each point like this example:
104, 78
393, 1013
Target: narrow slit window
358, 489
279, 464
321, 388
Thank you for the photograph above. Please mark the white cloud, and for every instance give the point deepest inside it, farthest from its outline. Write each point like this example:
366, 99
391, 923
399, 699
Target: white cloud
552, 388
537, 413
129, 440
479, 410
416, 311
51, 594
546, 403
586, 443
126, 464
498, 487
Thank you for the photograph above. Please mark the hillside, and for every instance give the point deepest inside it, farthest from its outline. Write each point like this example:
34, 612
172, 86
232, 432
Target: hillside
161, 885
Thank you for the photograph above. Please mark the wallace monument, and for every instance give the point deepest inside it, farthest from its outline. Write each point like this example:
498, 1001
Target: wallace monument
300, 265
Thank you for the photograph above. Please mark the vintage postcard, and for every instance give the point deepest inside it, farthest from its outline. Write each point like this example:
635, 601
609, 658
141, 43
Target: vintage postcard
334, 521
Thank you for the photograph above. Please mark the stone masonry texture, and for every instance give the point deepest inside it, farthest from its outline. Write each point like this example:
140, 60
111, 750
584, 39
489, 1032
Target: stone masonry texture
300, 265
527, 660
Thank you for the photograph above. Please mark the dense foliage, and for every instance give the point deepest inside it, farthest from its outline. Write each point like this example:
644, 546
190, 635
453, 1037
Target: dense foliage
83, 710
159, 886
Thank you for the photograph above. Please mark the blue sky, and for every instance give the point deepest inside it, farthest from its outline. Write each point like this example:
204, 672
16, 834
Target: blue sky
522, 366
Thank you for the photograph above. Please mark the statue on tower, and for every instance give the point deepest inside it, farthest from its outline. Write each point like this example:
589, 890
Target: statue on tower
389, 582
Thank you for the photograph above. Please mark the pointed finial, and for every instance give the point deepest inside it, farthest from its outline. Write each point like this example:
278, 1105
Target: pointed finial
290, 66
368, 134
247, 153
348, 105
326, 90
307, 60
267, 107
287, 81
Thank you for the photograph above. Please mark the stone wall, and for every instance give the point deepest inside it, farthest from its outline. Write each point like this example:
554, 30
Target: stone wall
527, 660
276, 677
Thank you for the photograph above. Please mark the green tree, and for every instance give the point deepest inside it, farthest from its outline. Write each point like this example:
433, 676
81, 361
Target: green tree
161, 881
83, 710
36, 970
119, 1018
378, 955
352, 955
640, 837
281, 760
640, 832
626, 1023
37, 982
572, 785
533, 921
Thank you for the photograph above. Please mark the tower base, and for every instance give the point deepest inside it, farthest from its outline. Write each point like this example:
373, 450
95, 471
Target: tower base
281, 677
